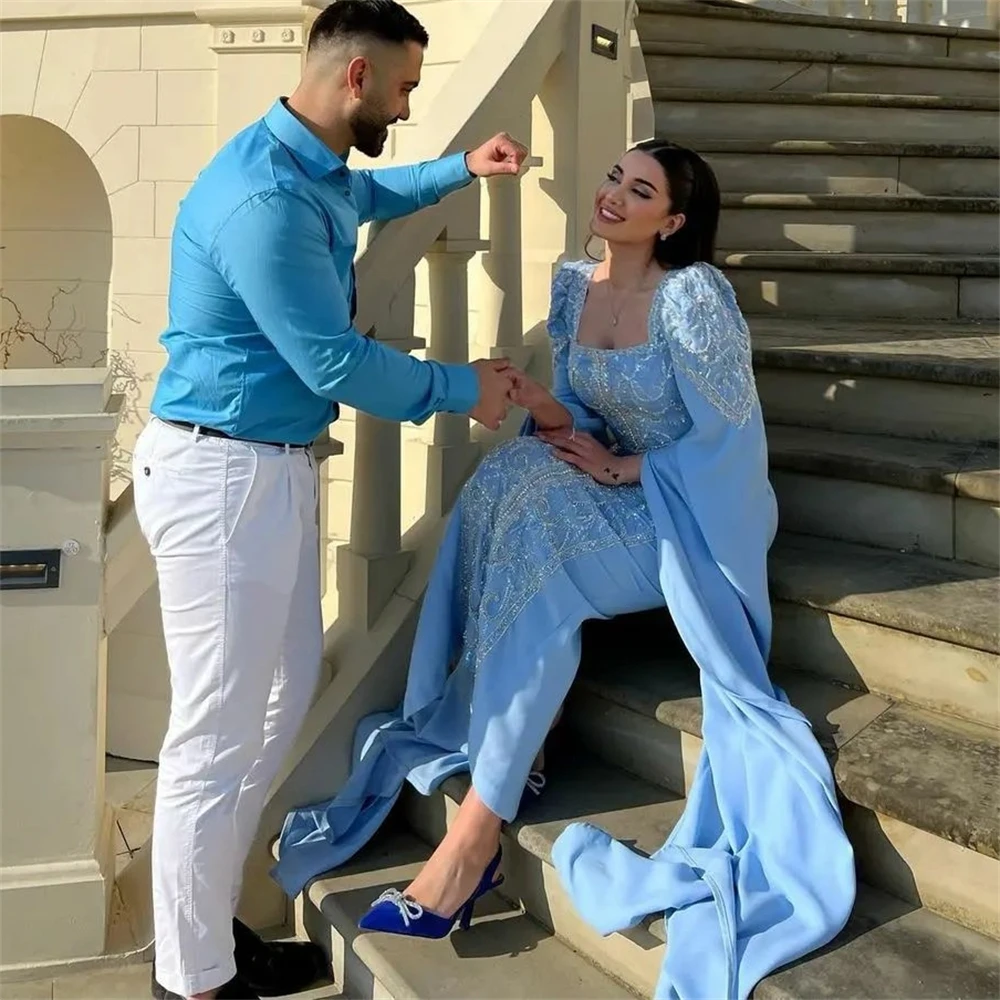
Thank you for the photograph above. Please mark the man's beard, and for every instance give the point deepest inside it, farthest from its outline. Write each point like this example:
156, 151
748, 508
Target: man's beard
371, 129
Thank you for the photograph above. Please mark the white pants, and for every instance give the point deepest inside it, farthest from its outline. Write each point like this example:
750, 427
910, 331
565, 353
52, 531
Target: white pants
232, 528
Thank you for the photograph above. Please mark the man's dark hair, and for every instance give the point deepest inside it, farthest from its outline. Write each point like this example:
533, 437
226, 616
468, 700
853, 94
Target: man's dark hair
383, 20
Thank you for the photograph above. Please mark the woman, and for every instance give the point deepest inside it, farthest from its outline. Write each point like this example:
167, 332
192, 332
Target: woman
639, 481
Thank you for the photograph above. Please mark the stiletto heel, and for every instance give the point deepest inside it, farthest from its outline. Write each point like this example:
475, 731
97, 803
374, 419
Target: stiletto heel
465, 921
394, 913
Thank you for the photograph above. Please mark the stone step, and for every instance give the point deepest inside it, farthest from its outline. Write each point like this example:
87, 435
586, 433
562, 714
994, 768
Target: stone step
682, 21
692, 64
802, 166
864, 286
907, 627
870, 224
937, 498
504, 954
917, 953
764, 114
920, 794
935, 381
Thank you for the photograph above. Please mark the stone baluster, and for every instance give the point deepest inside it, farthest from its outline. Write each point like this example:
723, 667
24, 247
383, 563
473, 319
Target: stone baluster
452, 454
371, 565
500, 299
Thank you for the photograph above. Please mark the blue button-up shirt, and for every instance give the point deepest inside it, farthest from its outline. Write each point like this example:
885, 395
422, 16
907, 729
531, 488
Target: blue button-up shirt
260, 339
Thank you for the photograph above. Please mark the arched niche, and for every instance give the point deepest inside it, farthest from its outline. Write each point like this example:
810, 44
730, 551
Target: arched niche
55, 249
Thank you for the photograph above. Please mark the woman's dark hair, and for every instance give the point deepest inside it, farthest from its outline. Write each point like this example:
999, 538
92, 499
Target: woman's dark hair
384, 20
694, 191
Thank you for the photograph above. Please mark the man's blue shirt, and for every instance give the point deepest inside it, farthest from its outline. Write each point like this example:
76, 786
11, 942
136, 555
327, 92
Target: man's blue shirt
259, 337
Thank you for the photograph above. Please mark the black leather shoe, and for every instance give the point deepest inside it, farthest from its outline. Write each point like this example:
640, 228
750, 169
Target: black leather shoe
264, 969
277, 968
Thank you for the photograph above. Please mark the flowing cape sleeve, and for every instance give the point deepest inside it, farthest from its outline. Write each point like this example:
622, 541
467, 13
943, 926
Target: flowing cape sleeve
758, 871
569, 289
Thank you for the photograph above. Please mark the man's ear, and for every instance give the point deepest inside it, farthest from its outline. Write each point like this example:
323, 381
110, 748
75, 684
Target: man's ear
358, 70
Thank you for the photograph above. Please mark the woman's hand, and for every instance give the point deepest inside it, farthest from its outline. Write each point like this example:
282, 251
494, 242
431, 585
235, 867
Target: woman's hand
588, 454
548, 413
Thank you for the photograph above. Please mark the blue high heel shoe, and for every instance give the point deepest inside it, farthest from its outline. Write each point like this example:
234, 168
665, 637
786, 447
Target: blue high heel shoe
394, 913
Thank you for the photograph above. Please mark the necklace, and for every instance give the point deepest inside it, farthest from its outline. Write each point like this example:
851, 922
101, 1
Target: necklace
615, 316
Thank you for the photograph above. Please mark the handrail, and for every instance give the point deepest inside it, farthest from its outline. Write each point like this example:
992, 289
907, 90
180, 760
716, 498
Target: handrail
509, 61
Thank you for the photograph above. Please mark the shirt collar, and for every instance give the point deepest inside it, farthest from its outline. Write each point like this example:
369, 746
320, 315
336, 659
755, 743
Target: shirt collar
316, 158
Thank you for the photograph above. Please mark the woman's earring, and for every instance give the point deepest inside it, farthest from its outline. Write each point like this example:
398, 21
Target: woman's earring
663, 236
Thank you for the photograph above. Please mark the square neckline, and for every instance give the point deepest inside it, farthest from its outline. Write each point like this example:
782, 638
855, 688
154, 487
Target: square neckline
580, 302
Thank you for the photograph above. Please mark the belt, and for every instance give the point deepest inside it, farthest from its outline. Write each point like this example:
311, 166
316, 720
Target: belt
213, 433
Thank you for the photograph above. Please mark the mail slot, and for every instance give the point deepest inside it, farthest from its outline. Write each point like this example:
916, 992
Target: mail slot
29, 569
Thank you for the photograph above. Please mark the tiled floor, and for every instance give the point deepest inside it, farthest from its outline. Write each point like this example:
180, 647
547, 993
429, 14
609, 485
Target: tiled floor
130, 787
128, 983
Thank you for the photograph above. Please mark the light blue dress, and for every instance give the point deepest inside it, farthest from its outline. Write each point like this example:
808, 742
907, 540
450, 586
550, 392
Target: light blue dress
758, 872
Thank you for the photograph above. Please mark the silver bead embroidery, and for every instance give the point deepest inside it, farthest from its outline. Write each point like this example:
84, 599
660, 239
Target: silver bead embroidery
525, 513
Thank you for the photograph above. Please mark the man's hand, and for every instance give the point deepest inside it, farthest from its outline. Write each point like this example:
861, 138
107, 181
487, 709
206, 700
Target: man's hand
500, 155
495, 384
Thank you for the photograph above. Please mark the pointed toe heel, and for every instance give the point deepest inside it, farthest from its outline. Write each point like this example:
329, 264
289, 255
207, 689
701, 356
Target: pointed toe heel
394, 913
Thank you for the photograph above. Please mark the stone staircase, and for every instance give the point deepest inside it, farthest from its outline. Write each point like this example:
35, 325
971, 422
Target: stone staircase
859, 167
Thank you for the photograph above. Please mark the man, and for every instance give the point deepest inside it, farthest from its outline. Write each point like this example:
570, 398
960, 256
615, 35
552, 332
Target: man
261, 349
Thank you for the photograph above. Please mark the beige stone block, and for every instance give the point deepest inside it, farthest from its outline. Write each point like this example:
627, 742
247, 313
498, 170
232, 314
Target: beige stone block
924, 869
926, 410
47, 182
943, 176
857, 232
174, 152
142, 266
186, 97
140, 371
872, 79
177, 46
137, 661
132, 209
109, 101
845, 294
805, 174
35, 989
145, 620
69, 349
977, 532
979, 298
168, 199
137, 321
118, 47
339, 494
867, 513
56, 305
118, 159
454, 26
768, 34
714, 73
939, 676
47, 255
20, 61
67, 62
248, 84
123, 983
341, 467
705, 120
133, 420
433, 79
